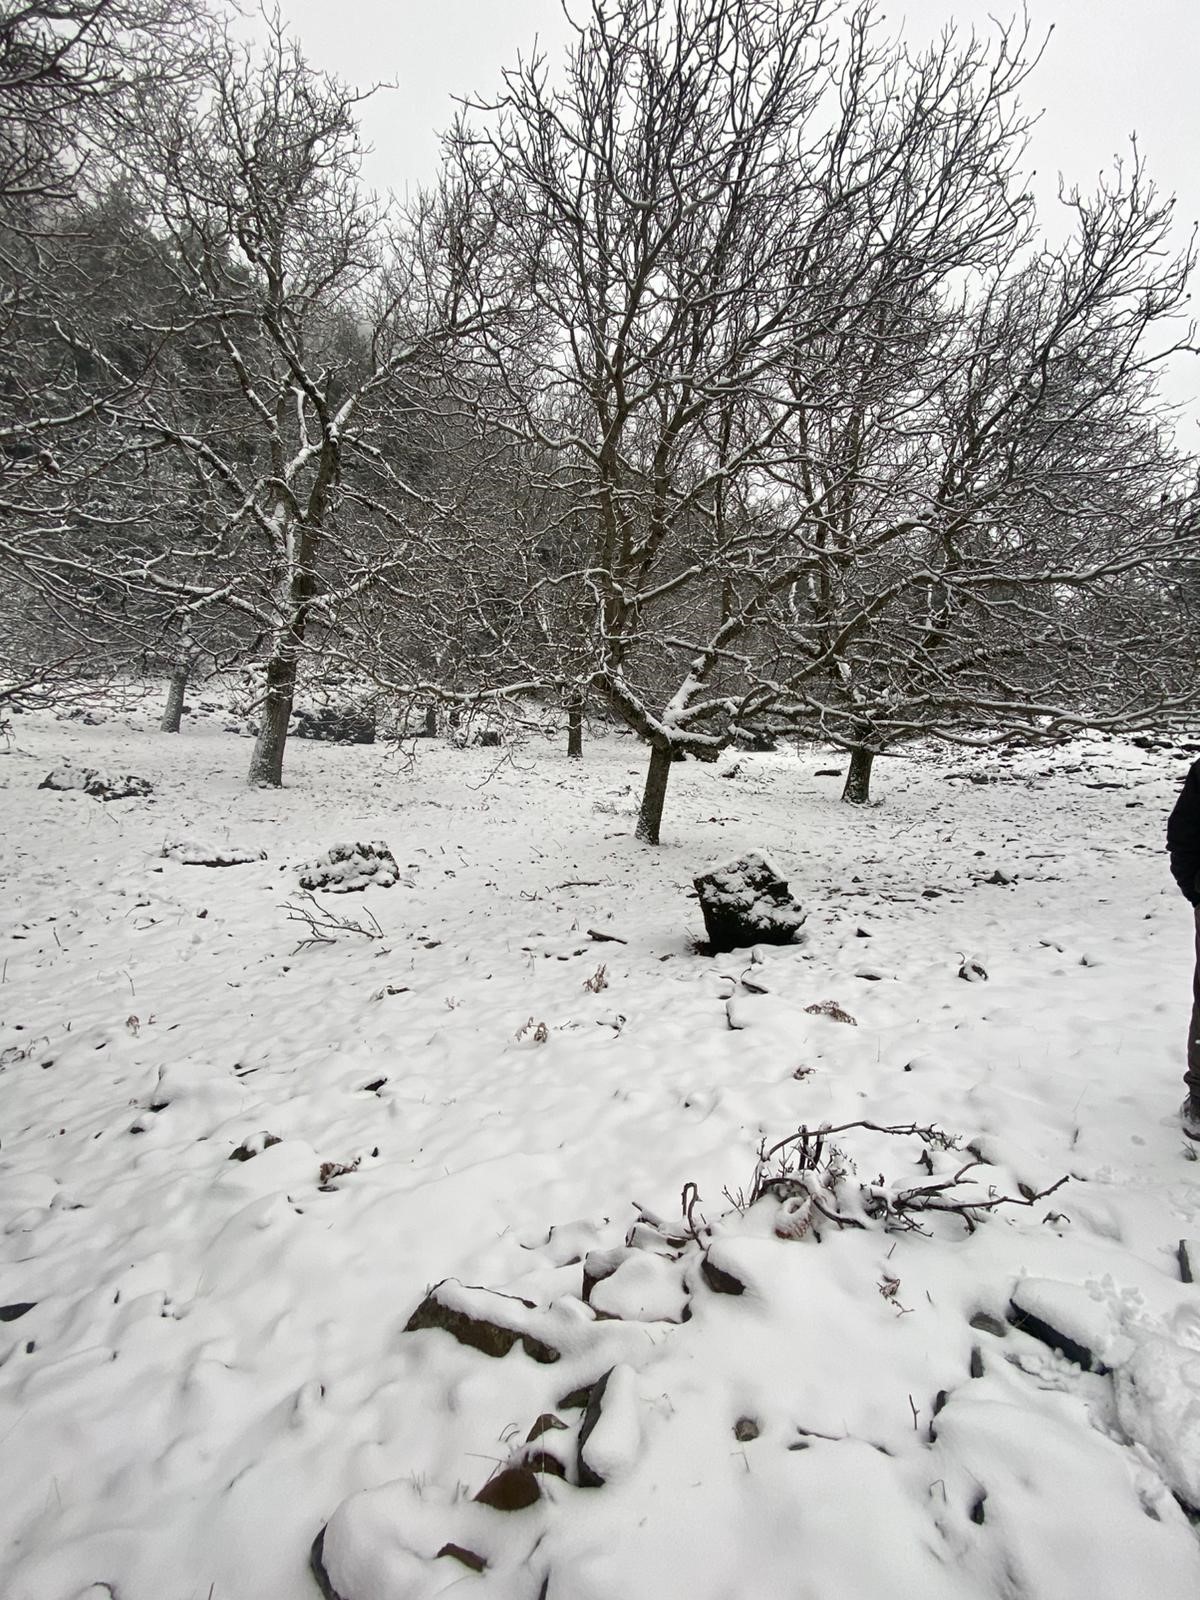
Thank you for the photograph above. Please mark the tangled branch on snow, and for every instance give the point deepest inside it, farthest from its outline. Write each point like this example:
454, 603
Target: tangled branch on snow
813, 1179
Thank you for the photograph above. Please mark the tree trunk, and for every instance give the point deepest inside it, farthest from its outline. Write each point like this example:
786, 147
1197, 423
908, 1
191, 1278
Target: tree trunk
650, 816
575, 728
173, 713
181, 671
858, 780
266, 762
431, 722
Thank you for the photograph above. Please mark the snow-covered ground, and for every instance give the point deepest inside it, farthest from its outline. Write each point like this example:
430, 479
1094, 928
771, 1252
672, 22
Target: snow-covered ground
214, 1364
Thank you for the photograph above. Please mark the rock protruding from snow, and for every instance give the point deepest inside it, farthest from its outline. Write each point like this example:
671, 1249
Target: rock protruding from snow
336, 725
1189, 1260
746, 902
1068, 1318
513, 1488
100, 785
483, 1319
191, 854
345, 868
611, 1435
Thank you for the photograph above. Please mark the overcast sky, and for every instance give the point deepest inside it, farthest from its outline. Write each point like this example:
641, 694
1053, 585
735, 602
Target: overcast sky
1111, 68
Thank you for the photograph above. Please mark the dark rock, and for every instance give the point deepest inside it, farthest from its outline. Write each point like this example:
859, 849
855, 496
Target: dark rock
745, 903
253, 1146
578, 1399
745, 1429
828, 772
976, 1367
316, 1560
18, 1308
544, 1424
589, 1478
512, 1489
490, 739
1026, 1322
977, 1513
346, 868
720, 1281
986, 1323
336, 725
100, 785
467, 1557
1189, 1260
543, 1461
493, 1336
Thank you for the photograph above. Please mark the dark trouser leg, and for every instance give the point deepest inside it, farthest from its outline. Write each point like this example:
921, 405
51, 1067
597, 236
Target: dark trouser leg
1192, 1075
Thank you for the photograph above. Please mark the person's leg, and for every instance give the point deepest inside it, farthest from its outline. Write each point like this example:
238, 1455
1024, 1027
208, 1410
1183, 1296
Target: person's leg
1192, 1075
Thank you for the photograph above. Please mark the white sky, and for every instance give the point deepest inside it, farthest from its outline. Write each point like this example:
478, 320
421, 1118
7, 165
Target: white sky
1112, 68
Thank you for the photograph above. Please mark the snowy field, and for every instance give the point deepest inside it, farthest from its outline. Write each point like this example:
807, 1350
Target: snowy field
204, 1360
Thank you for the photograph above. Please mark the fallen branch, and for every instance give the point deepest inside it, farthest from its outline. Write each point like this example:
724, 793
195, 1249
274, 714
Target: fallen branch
807, 1173
324, 925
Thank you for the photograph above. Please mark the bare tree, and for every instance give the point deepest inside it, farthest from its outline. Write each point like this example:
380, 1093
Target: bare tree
1003, 514
311, 314
722, 199
78, 315
70, 75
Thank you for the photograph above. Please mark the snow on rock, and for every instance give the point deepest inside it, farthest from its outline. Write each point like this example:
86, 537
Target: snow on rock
611, 1435
347, 867
336, 724
642, 1288
1158, 1402
399, 1542
1071, 1318
746, 902
483, 1319
191, 854
97, 783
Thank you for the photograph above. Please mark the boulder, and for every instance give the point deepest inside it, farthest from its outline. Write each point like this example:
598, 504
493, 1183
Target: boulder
746, 902
345, 868
335, 724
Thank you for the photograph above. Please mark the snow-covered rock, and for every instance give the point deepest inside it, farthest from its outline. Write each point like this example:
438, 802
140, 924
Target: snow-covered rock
746, 902
345, 868
99, 784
